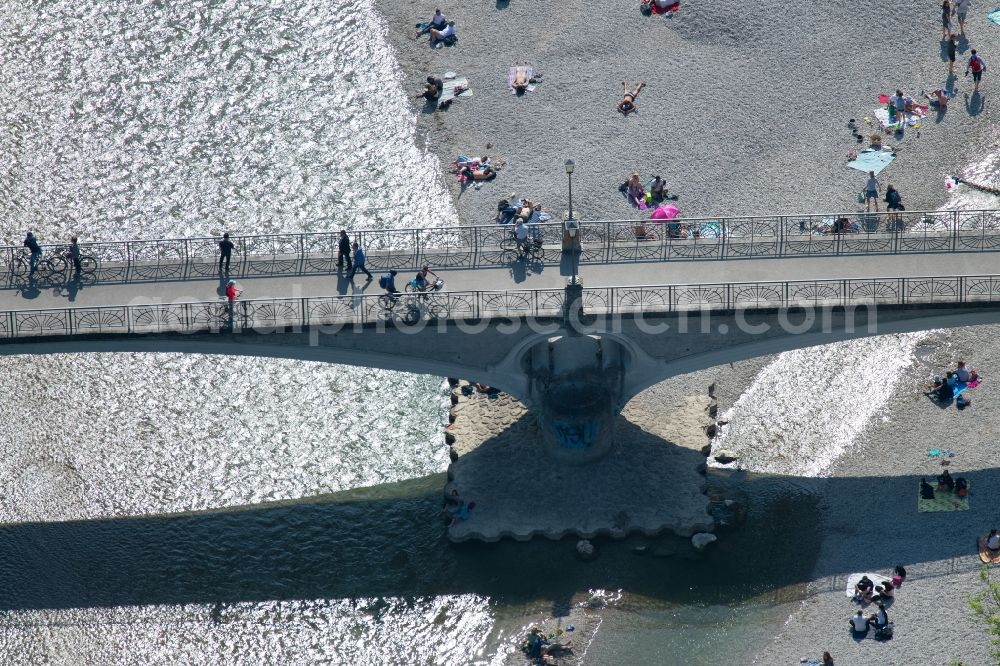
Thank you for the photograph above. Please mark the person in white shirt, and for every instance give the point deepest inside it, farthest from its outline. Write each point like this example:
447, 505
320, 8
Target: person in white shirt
859, 624
444, 33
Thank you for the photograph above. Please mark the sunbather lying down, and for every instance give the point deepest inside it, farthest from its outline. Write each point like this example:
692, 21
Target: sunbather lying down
521, 78
628, 105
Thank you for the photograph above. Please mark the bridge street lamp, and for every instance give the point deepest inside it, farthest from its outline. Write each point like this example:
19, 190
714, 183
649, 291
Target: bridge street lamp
572, 230
569, 174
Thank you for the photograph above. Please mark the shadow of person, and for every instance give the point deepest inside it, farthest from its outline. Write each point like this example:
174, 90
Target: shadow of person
73, 287
343, 284
29, 290
962, 43
940, 111
220, 289
974, 103
502, 4
519, 270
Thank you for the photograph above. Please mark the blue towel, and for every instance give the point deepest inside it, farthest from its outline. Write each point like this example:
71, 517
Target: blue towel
994, 16
872, 160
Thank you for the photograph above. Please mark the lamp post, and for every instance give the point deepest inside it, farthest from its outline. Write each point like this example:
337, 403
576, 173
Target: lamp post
569, 174
570, 223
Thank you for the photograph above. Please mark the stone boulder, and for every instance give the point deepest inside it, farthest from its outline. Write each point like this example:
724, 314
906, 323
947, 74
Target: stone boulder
701, 540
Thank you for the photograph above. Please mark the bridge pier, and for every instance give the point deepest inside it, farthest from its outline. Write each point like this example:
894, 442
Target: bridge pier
576, 388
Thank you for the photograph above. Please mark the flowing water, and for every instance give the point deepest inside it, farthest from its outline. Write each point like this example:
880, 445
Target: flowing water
314, 487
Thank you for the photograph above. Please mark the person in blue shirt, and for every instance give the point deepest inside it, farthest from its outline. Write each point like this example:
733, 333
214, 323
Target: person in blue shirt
388, 282
359, 263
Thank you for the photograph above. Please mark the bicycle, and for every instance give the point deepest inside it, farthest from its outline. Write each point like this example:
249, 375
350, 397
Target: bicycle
224, 313
21, 266
530, 248
62, 262
409, 312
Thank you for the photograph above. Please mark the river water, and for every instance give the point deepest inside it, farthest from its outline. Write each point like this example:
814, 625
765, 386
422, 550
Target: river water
163, 509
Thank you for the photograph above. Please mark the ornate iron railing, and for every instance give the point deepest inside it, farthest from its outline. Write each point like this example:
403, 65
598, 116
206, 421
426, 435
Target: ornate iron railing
478, 305
601, 242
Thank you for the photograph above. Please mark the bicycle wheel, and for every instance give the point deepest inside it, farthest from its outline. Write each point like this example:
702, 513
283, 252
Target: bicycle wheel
20, 267
409, 315
386, 302
88, 265
47, 268
412, 289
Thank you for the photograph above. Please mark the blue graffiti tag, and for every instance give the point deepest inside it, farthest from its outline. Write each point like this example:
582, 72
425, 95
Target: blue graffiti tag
575, 435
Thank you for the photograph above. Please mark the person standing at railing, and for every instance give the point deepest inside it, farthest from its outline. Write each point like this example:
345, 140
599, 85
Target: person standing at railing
74, 255
359, 263
225, 252
36, 251
231, 293
344, 251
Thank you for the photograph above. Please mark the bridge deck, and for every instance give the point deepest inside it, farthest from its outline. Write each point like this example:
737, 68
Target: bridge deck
516, 277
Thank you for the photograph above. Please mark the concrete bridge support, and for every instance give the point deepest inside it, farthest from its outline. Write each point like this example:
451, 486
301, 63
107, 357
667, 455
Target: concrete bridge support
576, 389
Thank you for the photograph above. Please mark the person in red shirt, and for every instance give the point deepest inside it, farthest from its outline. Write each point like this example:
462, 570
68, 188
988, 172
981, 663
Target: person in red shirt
231, 294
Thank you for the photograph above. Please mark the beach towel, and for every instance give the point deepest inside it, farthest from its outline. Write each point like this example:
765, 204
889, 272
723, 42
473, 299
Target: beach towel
852, 580
912, 119
448, 91
994, 16
943, 501
870, 159
512, 74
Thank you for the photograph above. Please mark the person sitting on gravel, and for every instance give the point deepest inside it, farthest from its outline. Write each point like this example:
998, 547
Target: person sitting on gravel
963, 374
635, 191
432, 89
884, 592
658, 190
926, 490
628, 105
863, 588
437, 22
945, 482
938, 98
993, 540
446, 34
461, 513
483, 170
880, 618
859, 625
898, 572
946, 391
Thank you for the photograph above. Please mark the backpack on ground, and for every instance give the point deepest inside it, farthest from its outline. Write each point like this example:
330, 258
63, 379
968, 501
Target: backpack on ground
884, 633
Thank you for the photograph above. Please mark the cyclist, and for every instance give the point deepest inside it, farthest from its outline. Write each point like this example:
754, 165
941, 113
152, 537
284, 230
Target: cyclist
231, 293
74, 254
388, 282
36, 251
521, 237
420, 281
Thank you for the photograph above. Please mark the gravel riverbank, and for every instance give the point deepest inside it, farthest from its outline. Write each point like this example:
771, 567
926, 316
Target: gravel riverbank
871, 523
745, 111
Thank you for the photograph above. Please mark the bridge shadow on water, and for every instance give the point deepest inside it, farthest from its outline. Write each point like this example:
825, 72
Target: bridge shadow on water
390, 541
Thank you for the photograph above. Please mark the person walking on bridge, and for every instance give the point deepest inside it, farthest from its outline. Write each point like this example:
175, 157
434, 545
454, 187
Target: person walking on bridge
343, 250
36, 251
225, 252
359, 263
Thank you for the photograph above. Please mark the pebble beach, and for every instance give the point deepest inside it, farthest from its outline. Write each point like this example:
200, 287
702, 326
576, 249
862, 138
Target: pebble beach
745, 109
745, 112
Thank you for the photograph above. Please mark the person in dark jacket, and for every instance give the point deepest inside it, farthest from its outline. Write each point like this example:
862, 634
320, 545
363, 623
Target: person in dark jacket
225, 252
344, 251
36, 251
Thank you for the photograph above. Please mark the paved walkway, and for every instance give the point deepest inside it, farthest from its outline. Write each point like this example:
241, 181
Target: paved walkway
517, 277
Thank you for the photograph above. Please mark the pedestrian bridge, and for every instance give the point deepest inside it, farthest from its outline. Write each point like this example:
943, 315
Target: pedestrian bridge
575, 354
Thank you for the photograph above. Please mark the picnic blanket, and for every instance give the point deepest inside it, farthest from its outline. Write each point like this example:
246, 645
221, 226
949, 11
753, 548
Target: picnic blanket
852, 580
994, 16
882, 116
943, 501
448, 91
870, 159
512, 74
